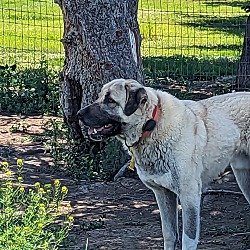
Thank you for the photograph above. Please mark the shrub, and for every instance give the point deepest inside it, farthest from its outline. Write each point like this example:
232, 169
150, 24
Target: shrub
27, 215
29, 91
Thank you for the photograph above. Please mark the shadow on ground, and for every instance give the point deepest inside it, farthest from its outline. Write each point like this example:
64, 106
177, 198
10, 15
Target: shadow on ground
123, 215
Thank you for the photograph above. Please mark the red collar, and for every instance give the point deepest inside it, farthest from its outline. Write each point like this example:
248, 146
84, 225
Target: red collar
149, 125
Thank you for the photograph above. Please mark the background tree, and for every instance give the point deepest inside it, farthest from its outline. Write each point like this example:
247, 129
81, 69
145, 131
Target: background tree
102, 42
243, 76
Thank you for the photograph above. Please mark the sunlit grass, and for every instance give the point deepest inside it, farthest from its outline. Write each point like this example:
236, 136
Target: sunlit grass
191, 28
30, 30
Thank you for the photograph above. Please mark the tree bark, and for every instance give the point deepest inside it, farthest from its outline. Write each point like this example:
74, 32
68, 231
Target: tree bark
243, 76
102, 42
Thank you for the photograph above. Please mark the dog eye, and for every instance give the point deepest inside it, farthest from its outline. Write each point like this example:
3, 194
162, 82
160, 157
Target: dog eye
110, 100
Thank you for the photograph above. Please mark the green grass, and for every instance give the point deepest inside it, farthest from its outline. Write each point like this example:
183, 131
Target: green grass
192, 28
30, 30
32, 218
183, 68
204, 29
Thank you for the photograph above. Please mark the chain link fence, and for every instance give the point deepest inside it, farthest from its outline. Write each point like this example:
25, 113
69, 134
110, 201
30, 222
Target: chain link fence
183, 39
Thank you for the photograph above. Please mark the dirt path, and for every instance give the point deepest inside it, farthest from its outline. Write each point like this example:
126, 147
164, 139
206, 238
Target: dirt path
123, 215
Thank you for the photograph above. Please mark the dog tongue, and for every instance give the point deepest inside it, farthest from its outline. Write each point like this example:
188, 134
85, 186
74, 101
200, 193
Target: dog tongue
99, 129
90, 131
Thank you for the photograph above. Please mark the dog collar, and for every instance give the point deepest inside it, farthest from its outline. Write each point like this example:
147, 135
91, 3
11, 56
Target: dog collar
150, 124
147, 128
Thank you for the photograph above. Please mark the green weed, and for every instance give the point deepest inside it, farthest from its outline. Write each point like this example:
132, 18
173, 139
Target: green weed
28, 215
29, 91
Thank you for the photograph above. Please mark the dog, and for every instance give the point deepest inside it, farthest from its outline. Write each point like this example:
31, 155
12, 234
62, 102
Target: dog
179, 146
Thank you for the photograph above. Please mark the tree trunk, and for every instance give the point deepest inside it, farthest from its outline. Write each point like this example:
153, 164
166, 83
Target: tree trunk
243, 77
102, 42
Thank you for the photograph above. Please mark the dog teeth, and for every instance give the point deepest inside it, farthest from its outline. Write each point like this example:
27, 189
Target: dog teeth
108, 126
95, 131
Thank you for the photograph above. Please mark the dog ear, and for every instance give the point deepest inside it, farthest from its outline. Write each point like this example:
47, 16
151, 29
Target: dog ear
135, 98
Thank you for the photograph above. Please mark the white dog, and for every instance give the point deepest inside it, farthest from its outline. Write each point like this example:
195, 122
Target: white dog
178, 146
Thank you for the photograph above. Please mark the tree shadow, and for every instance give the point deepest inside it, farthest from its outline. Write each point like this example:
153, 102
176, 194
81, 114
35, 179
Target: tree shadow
6, 151
191, 68
218, 47
225, 3
230, 25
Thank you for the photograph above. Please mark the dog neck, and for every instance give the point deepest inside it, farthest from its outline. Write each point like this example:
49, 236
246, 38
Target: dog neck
149, 125
147, 128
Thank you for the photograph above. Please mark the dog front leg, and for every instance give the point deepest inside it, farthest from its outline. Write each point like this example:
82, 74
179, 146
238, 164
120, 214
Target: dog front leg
190, 203
167, 202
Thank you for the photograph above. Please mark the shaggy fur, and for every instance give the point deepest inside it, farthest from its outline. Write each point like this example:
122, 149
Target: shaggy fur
191, 144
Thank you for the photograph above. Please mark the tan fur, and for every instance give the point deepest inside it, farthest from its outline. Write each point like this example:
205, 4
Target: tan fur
191, 144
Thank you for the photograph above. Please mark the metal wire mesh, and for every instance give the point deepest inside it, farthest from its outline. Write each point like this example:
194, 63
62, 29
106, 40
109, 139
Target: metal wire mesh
190, 39
30, 32
183, 39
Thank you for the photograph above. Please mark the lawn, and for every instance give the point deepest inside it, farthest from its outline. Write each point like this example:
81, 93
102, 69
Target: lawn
191, 39
192, 28
30, 31
180, 37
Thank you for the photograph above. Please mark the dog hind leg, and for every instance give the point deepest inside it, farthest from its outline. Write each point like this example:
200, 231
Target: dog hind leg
241, 168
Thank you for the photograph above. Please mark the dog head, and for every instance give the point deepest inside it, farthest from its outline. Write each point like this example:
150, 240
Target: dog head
121, 110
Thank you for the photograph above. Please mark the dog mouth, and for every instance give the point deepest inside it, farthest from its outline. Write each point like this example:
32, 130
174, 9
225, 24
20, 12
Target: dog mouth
99, 133
100, 130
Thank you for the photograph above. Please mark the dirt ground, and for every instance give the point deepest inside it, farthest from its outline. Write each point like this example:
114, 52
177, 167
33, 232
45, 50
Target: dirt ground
123, 215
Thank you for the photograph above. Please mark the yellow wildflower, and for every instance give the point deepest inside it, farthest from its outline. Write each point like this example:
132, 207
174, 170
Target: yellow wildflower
21, 189
19, 162
42, 209
70, 218
56, 182
60, 208
26, 228
17, 228
40, 225
42, 190
20, 179
8, 173
37, 184
68, 205
5, 164
64, 190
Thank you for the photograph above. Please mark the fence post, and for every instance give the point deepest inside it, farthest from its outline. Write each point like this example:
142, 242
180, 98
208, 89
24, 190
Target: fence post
243, 76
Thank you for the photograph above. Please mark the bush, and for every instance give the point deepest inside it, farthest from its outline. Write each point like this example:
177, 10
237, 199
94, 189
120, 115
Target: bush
29, 91
27, 216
